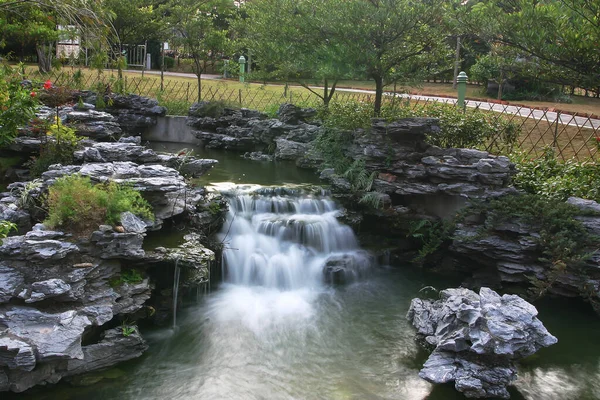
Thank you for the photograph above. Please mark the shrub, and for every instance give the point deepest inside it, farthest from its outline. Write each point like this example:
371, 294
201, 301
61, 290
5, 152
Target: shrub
470, 129
169, 62
17, 104
553, 179
59, 147
76, 204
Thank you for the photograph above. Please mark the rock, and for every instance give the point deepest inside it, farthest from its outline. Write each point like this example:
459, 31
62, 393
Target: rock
585, 205
205, 109
288, 150
115, 347
477, 338
118, 245
290, 114
11, 282
347, 268
131, 223
47, 289
257, 156
54, 336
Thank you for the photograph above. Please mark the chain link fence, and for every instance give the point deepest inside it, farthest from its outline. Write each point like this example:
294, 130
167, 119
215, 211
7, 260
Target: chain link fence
572, 136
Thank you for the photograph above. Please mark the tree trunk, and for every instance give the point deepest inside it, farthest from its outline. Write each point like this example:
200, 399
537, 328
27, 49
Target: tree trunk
378, 94
325, 93
500, 84
44, 53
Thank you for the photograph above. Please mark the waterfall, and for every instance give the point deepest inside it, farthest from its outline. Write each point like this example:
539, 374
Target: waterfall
176, 275
288, 239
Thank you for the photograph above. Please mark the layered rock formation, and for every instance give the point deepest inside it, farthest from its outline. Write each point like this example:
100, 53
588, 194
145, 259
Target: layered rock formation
477, 338
62, 297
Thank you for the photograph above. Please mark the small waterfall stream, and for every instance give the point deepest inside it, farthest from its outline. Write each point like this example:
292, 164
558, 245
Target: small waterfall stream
176, 276
286, 239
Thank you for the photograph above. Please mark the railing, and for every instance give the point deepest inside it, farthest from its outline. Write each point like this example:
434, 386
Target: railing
572, 136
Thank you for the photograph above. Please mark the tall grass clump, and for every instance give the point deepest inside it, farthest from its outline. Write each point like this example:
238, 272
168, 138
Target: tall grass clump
77, 205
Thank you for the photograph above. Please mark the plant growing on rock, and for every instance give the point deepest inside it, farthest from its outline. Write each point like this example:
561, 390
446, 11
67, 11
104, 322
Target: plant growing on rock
5, 228
75, 204
564, 241
61, 142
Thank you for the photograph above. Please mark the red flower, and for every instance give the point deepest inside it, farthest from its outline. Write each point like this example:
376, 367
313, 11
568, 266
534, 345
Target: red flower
32, 94
47, 84
597, 138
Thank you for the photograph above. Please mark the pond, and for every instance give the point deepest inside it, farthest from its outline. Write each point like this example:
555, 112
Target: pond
272, 329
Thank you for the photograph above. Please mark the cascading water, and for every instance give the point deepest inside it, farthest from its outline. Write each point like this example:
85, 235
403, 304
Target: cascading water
285, 239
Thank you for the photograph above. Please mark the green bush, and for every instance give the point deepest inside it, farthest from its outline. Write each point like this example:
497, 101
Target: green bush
470, 129
76, 204
61, 142
558, 180
17, 103
169, 62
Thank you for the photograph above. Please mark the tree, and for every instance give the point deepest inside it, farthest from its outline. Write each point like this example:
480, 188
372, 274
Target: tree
397, 40
199, 27
563, 36
307, 44
36, 21
135, 21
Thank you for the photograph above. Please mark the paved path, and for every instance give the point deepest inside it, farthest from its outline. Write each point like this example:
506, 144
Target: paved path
178, 74
548, 116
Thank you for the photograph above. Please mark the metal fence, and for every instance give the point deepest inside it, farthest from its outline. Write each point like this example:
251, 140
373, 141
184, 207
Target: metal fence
572, 136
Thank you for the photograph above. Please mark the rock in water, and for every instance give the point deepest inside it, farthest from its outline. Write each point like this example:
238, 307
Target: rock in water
477, 338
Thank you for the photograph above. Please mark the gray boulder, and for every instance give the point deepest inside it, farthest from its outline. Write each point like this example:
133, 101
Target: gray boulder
477, 338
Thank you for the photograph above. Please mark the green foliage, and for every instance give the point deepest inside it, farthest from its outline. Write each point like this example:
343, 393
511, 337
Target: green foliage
75, 203
128, 276
17, 104
563, 240
360, 179
169, 62
549, 35
431, 234
557, 180
470, 129
332, 145
61, 142
5, 228
127, 329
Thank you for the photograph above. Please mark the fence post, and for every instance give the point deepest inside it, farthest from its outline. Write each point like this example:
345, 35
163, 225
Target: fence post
461, 81
187, 93
555, 141
240, 96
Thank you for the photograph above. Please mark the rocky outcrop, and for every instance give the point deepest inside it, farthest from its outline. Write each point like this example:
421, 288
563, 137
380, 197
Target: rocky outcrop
511, 253
67, 288
134, 113
163, 187
477, 338
134, 152
246, 130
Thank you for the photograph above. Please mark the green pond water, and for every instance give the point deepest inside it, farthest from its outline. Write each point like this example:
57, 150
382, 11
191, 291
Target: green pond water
247, 341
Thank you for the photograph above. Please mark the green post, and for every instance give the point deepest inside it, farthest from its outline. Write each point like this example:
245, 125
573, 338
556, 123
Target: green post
242, 62
461, 81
